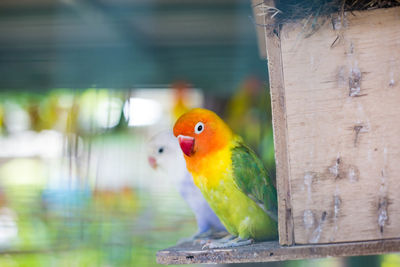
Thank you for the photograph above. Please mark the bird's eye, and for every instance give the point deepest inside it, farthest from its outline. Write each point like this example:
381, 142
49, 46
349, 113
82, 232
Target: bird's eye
199, 127
160, 150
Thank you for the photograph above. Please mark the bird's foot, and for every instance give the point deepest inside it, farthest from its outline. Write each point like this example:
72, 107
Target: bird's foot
228, 243
211, 234
203, 238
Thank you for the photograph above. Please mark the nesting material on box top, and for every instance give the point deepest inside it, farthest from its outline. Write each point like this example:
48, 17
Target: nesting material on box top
313, 14
291, 10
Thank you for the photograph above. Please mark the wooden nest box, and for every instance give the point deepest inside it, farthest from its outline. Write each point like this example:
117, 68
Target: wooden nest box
335, 92
336, 115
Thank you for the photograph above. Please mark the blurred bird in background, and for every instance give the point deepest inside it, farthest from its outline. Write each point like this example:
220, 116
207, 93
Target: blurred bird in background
165, 155
231, 177
180, 105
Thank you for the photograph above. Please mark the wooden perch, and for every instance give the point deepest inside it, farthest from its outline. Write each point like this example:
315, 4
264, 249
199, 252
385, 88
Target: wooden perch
188, 253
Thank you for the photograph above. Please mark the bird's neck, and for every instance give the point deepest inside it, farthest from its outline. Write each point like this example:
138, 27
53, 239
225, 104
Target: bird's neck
208, 170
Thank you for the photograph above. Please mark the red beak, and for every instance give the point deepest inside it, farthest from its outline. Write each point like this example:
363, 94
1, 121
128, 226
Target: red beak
152, 162
187, 144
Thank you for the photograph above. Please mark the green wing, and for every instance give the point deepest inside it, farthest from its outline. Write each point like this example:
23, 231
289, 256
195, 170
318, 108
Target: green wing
252, 179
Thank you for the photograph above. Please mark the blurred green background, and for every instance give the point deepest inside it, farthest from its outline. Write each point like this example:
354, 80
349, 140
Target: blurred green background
83, 86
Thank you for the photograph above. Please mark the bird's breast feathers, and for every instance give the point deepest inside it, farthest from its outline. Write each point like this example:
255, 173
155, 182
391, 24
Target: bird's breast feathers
209, 172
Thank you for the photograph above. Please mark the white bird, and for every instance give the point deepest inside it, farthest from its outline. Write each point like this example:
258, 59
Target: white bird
165, 154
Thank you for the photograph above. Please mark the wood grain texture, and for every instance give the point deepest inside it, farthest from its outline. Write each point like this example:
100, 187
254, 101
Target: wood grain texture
342, 96
271, 251
278, 105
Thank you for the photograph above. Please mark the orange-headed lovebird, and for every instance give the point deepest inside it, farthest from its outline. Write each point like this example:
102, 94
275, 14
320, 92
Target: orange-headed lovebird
231, 177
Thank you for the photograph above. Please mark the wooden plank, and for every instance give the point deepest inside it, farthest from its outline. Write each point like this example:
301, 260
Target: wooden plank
342, 93
271, 251
278, 105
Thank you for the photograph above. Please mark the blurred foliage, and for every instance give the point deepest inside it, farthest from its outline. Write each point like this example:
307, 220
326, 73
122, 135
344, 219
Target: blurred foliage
390, 260
63, 218
84, 112
75, 228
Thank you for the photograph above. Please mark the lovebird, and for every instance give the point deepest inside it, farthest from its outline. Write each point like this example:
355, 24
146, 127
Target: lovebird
165, 155
231, 177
